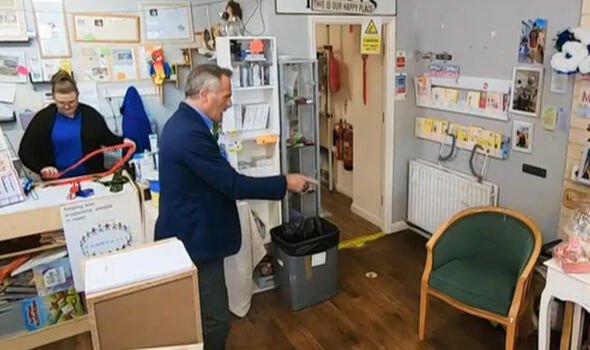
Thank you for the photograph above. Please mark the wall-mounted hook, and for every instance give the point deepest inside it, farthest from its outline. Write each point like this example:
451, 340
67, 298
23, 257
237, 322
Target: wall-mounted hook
478, 175
442, 157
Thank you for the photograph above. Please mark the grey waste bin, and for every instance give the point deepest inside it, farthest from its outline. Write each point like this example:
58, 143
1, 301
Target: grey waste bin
306, 261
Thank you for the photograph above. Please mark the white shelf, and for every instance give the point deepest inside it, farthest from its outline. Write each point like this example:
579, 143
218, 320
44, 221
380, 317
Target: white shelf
463, 85
253, 88
474, 83
250, 149
502, 116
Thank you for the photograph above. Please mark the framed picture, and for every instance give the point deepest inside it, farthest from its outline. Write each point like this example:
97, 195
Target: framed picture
167, 21
533, 34
527, 88
11, 67
12, 21
52, 29
522, 136
106, 28
583, 172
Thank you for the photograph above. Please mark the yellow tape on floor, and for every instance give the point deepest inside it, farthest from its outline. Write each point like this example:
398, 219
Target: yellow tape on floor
360, 242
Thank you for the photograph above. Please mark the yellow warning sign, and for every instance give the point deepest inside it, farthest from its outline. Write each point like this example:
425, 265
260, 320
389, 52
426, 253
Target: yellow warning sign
371, 37
371, 28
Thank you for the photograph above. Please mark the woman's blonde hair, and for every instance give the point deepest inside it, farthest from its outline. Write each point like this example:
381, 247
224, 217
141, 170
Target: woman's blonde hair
63, 83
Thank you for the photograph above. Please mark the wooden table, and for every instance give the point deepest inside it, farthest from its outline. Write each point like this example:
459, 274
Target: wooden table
35, 216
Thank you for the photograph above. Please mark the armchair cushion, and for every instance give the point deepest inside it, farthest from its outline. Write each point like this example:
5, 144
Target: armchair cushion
477, 283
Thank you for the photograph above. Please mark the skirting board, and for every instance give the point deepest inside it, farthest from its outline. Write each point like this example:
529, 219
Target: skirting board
399, 226
345, 191
375, 220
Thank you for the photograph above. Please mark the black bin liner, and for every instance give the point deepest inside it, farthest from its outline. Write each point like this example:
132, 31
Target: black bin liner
305, 237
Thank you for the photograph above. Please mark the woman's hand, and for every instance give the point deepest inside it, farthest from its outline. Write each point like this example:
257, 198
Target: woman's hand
128, 141
49, 172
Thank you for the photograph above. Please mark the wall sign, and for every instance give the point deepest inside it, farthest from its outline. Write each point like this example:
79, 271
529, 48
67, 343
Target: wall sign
337, 7
371, 37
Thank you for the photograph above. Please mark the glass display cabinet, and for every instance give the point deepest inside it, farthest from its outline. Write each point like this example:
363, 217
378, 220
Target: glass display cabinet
298, 94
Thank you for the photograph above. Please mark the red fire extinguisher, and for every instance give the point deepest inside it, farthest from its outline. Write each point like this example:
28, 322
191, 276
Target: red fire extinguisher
347, 147
338, 133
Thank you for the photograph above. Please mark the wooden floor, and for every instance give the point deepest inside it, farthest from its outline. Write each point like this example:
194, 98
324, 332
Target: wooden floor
379, 313
338, 205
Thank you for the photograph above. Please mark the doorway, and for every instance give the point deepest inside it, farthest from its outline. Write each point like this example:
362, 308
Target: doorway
356, 126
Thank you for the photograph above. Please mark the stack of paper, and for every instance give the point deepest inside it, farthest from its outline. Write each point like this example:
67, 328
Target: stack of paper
10, 188
7, 95
256, 117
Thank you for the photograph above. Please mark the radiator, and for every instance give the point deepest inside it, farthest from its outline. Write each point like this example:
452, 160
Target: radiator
436, 193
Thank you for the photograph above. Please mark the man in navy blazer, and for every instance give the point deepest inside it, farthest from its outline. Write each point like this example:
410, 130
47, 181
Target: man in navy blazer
198, 190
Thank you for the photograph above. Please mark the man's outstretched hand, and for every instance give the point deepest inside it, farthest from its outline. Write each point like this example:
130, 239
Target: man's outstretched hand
299, 183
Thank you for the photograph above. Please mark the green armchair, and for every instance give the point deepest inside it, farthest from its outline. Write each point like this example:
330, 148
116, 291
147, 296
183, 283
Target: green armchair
480, 261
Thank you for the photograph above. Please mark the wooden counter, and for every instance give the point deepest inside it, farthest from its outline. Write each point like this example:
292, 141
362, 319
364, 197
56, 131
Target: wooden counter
42, 215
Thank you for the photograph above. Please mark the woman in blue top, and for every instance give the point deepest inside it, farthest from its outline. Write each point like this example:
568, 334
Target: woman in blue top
62, 133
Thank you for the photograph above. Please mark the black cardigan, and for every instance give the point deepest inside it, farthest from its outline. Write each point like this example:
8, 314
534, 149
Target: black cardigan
36, 146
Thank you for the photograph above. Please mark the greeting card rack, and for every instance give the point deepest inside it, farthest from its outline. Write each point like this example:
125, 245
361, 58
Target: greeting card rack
492, 143
481, 97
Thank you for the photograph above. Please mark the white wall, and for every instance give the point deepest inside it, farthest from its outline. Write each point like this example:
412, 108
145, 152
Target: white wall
464, 30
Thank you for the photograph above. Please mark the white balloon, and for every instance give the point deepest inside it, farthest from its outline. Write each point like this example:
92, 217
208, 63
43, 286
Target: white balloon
571, 56
582, 34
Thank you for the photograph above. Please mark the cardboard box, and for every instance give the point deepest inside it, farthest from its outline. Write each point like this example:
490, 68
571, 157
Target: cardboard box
150, 292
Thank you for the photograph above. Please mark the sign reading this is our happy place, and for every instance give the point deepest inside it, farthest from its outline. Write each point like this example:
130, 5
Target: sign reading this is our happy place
333, 7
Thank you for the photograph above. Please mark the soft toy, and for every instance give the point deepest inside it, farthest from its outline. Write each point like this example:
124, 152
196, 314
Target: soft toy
159, 68
572, 54
231, 20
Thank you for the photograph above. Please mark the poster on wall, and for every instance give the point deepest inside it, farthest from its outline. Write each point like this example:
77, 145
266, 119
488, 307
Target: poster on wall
124, 64
167, 21
106, 28
531, 47
401, 86
52, 29
526, 91
12, 67
99, 226
12, 21
336, 7
94, 63
522, 136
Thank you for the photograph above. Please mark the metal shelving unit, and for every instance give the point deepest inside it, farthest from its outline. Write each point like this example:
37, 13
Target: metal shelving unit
300, 153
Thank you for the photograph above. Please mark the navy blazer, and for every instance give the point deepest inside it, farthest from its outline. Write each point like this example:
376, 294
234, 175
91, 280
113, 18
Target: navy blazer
199, 189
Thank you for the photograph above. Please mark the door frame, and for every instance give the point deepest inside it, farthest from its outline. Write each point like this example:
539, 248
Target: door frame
389, 24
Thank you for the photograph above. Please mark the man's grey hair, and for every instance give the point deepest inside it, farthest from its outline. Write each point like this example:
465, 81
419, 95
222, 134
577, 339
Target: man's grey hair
205, 76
